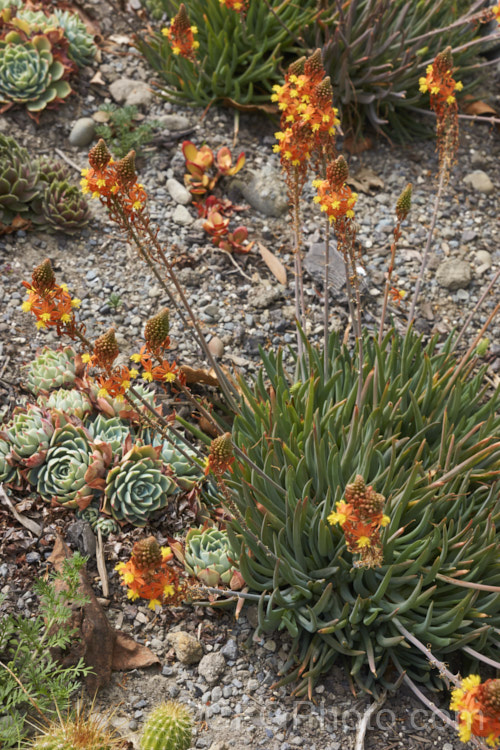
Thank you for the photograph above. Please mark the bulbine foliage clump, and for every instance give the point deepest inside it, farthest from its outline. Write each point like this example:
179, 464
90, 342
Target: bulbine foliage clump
232, 52
425, 436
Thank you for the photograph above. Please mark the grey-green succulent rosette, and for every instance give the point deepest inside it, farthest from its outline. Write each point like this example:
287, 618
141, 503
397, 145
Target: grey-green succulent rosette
29, 74
62, 208
82, 49
98, 522
109, 430
61, 478
18, 180
28, 435
8, 472
138, 486
208, 555
51, 369
181, 459
112, 407
71, 402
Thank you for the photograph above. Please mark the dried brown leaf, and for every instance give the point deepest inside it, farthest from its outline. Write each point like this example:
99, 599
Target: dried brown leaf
273, 263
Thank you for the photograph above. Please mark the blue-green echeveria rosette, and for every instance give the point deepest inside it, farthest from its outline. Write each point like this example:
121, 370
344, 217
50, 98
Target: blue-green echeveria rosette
187, 472
72, 402
29, 74
82, 49
61, 478
137, 486
208, 555
112, 431
51, 369
28, 436
8, 472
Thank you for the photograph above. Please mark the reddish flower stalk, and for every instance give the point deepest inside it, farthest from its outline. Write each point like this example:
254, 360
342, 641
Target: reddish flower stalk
441, 86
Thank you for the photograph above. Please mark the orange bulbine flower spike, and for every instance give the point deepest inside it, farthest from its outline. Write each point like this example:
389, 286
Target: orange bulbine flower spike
113, 182
50, 303
181, 35
496, 12
478, 707
221, 457
147, 574
334, 196
240, 6
360, 516
441, 86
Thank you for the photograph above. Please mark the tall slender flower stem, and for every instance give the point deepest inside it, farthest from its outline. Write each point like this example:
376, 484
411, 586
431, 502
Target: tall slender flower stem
326, 301
423, 266
299, 280
142, 227
476, 307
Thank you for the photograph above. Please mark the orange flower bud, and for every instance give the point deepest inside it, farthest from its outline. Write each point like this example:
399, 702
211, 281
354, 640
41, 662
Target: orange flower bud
125, 169
157, 329
489, 695
99, 155
297, 68
106, 349
314, 64
182, 21
146, 553
324, 91
444, 60
338, 172
43, 278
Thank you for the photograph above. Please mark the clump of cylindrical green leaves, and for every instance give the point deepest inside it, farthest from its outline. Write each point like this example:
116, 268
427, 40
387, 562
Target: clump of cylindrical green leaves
425, 436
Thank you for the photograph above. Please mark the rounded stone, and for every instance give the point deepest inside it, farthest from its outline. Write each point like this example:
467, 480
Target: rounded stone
454, 274
82, 132
479, 180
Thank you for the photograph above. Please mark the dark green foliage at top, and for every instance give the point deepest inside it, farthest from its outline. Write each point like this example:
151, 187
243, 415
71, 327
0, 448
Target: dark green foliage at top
374, 51
426, 437
238, 60
25, 648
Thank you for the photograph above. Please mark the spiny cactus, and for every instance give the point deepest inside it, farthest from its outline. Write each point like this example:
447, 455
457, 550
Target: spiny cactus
51, 369
80, 732
168, 727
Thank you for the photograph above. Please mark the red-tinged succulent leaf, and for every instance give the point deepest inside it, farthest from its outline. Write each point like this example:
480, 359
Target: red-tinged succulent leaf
240, 162
189, 150
224, 160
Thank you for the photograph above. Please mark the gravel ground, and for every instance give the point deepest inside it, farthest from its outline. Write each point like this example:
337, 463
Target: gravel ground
240, 302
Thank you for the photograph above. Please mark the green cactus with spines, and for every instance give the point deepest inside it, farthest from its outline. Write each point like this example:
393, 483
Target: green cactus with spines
79, 732
168, 727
